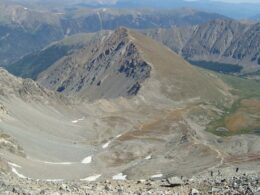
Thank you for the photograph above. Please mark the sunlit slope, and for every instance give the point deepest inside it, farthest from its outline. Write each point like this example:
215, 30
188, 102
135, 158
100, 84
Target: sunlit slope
177, 78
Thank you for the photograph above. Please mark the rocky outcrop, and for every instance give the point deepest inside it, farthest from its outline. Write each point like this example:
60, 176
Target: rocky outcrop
26, 89
7, 143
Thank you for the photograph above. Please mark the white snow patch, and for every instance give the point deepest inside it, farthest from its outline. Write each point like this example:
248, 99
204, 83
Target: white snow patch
118, 135
25, 8
104, 9
57, 163
14, 165
91, 178
54, 180
119, 176
106, 144
76, 121
148, 157
87, 160
51, 163
18, 174
157, 176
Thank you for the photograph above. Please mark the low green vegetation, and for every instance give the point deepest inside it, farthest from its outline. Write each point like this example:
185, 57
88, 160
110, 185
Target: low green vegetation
218, 127
244, 88
244, 115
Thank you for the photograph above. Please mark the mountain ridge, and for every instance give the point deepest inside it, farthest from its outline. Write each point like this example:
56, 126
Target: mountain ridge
222, 41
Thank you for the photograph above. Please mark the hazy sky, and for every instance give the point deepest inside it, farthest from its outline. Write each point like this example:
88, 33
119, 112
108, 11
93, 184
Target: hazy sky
245, 1
235, 1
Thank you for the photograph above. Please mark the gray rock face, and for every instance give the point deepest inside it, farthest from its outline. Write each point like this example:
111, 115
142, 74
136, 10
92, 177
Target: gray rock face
224, 41
108, 68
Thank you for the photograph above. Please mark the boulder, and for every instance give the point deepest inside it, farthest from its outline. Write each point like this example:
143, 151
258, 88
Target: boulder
175, 181
194, 192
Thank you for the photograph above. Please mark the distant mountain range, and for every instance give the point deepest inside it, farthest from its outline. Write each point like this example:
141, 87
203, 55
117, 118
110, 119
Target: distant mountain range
234, 10
24, 30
